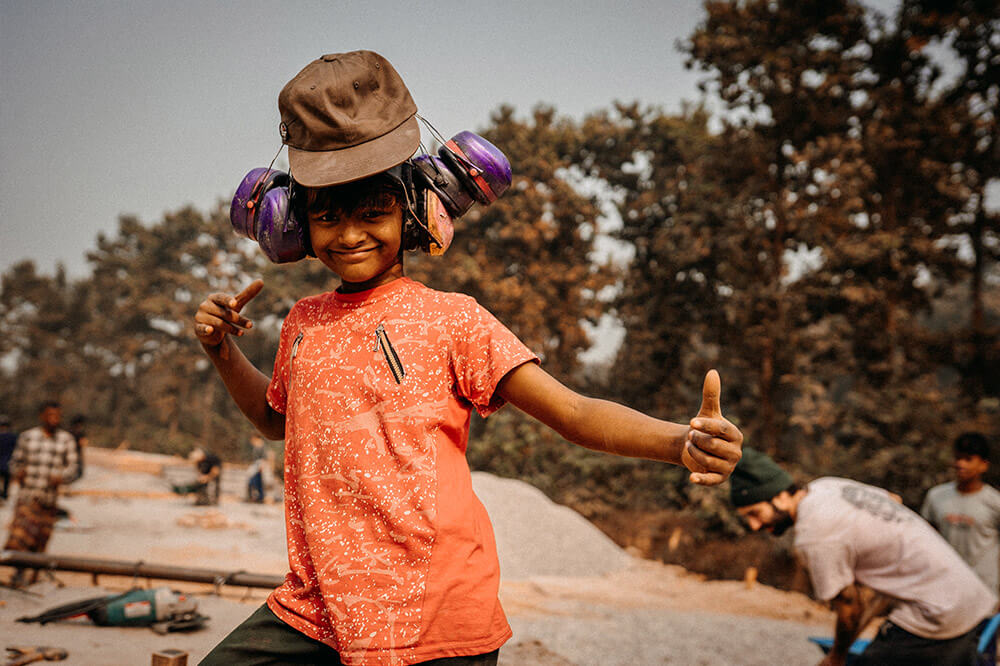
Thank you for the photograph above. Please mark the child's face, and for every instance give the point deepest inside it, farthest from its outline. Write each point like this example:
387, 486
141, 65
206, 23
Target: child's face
969, 467
359, 241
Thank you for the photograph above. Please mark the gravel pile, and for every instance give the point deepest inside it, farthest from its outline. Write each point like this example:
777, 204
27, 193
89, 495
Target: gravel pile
537, 537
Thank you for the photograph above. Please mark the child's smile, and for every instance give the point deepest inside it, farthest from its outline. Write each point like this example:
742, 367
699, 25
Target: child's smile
362, 247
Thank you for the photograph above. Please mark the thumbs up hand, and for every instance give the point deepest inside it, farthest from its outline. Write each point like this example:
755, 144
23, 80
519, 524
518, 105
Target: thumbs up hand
713, 445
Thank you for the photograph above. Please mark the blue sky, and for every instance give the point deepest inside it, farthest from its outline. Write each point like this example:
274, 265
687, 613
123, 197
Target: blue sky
139, 107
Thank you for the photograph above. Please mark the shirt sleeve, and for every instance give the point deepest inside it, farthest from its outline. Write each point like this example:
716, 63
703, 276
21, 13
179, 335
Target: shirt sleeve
277, 390
484, 351
71, 460
927, 509
17, 458
831, 567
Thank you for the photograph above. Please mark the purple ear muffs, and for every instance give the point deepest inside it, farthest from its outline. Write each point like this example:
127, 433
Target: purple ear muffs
261, 211
484, 164
467, 169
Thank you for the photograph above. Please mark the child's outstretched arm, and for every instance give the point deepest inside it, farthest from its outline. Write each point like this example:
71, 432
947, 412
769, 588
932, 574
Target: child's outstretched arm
218, 318
709, 447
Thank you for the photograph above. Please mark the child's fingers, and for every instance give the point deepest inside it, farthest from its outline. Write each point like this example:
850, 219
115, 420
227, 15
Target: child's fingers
223, 311
247, 295
217, 323
208, 334
710, 392
687, 459
718, 427
718, 447
702, 479
709, 461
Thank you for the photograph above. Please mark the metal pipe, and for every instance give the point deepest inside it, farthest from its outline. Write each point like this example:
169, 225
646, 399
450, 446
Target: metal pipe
140, 569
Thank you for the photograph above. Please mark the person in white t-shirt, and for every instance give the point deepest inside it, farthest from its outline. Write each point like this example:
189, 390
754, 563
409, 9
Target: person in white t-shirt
850, 535
966, 511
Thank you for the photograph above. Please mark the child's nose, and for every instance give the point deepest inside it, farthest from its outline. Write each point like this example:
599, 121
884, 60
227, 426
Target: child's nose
352, 230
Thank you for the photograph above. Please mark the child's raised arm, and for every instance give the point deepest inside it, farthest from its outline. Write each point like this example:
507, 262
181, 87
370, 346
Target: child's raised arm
710, 446
217, 318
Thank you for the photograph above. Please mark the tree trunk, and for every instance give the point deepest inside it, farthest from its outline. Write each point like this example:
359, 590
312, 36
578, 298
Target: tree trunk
978, 322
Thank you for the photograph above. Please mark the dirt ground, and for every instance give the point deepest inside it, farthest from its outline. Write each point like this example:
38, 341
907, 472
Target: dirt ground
571, 595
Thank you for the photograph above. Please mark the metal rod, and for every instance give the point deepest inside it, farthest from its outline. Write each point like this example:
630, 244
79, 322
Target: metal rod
15, 558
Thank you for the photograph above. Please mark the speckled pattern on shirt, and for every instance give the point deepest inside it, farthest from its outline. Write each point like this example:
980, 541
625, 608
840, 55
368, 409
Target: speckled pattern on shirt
392, 556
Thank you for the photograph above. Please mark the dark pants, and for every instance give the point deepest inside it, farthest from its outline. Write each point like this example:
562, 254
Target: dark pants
264, 640
4, 483
255, 487
205, 493
894, 646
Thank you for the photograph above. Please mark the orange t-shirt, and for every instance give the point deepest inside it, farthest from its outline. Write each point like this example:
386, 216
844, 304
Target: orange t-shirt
392, 556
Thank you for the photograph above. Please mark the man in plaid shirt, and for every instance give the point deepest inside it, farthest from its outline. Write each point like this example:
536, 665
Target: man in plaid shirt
44, 457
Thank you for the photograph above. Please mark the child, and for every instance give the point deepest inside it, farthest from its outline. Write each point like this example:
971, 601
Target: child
392, 556
966, 511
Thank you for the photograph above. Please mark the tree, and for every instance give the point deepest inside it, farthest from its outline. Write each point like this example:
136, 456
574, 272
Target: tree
970, 156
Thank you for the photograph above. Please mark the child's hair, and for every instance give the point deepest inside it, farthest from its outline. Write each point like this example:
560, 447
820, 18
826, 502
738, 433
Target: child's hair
972, 444
375, 192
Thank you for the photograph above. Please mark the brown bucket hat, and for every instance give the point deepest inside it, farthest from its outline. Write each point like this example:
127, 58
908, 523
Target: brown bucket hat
346, 116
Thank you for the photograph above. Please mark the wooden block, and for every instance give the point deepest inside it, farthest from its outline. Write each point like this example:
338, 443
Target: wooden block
170, 657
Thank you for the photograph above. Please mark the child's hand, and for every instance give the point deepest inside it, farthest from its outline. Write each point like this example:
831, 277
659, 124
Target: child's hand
219, 315
713, 445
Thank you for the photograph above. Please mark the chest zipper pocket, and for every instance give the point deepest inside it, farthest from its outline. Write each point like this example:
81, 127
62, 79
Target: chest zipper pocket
291, 359
391, 357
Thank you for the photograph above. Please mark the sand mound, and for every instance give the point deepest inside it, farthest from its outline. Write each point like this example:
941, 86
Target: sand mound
537, 537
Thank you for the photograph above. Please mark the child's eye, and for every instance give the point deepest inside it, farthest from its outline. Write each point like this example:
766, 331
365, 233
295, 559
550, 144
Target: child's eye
374, 214
326, 217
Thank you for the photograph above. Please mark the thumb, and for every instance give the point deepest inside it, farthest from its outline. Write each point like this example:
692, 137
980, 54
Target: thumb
710, 407
247, 294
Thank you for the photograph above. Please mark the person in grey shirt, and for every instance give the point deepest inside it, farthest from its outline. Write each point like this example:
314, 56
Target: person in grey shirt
966, 511
853, 538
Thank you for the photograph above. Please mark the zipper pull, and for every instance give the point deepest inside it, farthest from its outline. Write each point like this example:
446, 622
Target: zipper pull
391, 357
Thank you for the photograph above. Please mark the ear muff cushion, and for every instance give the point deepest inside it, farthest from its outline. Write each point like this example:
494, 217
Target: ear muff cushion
246, 202
444, 183
458, 169
279, 233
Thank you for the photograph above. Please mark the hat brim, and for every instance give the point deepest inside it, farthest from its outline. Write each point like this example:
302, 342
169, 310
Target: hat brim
322, 168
